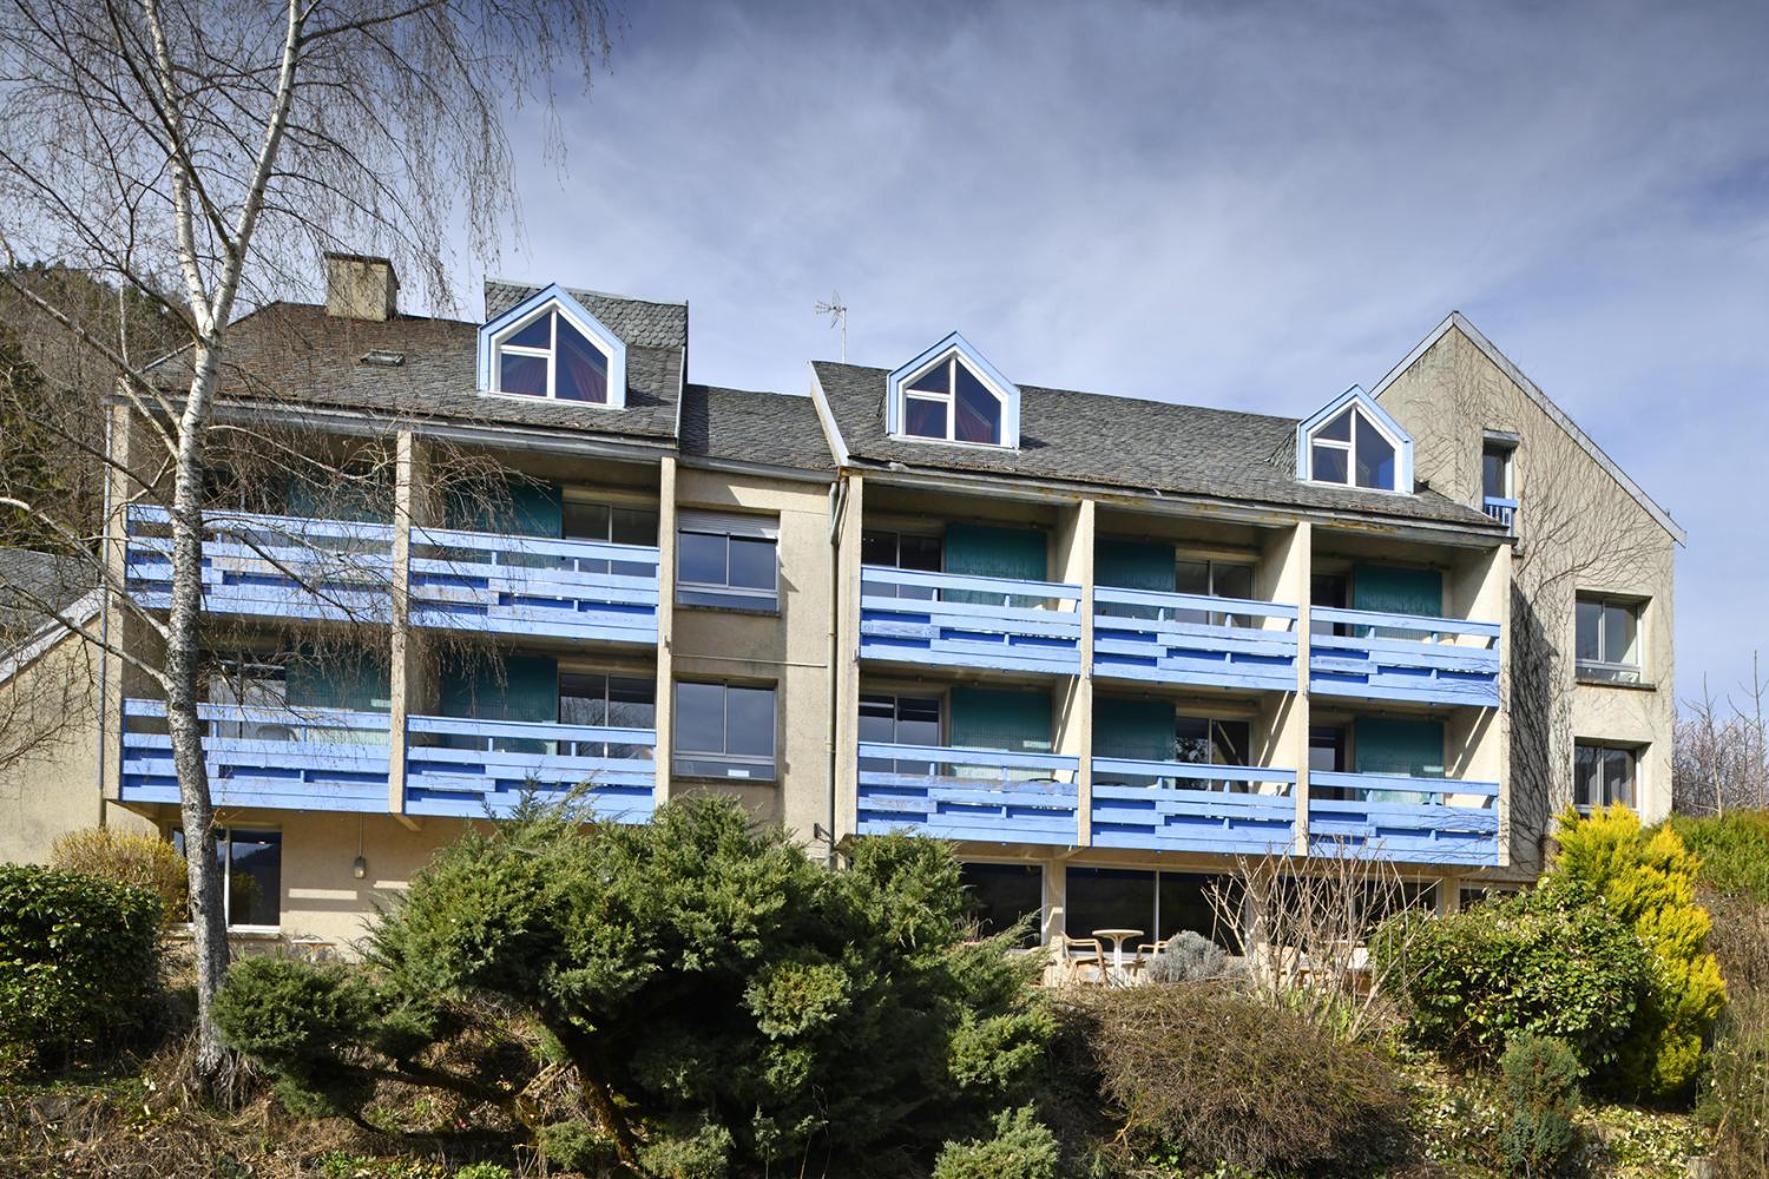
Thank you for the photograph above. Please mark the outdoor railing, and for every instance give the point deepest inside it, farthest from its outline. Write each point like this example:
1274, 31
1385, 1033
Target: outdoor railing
483, 768
960, 620
1174, 806
1404, 818
1193, 639
971, 794
1502, 510
1377, 656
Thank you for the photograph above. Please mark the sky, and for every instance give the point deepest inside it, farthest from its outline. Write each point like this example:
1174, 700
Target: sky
1241, 204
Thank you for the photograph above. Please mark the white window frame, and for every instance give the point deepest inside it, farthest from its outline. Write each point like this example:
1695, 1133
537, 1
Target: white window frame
1632, 753
1349, 446
550, 354
1603, 669
224, 838
717, 595
771, 763
1507, 449
951, 359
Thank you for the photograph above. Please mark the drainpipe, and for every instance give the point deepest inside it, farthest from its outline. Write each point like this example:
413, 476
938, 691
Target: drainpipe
838, 498
104, 625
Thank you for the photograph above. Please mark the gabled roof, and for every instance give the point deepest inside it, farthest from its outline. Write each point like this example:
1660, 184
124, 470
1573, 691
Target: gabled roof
1385, 423
1119, 442
1531, 390
613, 347
642, 323
766, 429
67, 585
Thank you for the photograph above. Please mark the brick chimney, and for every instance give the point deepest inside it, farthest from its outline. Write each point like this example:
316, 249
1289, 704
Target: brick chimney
360, 287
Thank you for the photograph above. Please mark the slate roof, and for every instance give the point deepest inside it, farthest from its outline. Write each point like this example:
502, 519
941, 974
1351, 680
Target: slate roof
1128, 443
775, 429
295, 352
60, 581
642, 323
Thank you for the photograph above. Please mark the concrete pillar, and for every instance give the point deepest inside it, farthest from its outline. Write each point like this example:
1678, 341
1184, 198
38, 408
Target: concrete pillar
1072, 562
1056, 891
666, 625
848, 524
405, 675
1283, 576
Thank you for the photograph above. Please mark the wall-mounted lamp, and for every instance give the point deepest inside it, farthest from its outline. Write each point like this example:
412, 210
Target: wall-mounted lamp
359, 867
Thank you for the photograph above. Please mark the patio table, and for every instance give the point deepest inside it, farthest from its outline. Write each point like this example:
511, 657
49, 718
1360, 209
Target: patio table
1117, 937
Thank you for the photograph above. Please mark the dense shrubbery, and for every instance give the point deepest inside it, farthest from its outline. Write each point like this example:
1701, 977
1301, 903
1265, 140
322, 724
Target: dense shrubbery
723, 999
1022, 1148
1188, 957
1542, 1095
145, 861
1734, 851
1648, 879
79, 962
1531, 963
1216, 1076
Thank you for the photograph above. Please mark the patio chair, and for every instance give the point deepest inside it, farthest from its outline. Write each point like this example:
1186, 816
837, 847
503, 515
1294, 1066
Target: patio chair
1081, 953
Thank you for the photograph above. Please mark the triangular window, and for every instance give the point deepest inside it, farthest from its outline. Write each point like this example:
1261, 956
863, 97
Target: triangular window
548, 355
951, 403
1353, 443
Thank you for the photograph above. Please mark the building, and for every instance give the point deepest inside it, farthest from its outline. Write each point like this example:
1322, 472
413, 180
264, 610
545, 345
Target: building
1105, 646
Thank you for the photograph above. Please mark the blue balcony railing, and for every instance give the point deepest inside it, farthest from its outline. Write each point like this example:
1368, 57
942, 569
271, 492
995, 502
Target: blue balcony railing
1374, 656
278, 566
972, 794
308, 759
515, 585
958, 620
1193, 639
1502, 510
1409, 819
477, 768
1172, 806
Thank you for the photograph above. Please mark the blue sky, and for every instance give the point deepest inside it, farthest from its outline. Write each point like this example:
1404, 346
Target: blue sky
1249, 205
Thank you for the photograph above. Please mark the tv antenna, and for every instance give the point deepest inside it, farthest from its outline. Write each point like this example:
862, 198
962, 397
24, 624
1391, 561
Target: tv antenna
838, 317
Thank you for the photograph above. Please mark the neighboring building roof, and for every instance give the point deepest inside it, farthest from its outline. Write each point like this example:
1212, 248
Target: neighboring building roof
772, 429
1124, 442
1531, 390
295, 352
28, 578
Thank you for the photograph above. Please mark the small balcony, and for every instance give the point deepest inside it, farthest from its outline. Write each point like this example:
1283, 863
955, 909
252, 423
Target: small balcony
960, 620
477, 769
1374, 656
1192, 639
277, 566
968, 794
308, 759
1501, 509
1173, 806
1408, 819
516, 585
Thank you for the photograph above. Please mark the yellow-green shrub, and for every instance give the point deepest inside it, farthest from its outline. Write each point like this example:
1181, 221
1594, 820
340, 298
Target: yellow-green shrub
1648, 879
145, 861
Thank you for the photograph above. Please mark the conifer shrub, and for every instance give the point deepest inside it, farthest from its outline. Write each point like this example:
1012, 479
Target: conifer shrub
1205, 1073
145, 861
1648, 878
1022, 1148
724, 1000
1538, 963
1541, 1082
1733, 850
79, 963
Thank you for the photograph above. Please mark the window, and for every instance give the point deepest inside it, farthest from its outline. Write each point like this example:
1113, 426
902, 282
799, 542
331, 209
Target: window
888, 549
1214, 579
613, 525
549, 354
1607, 643
1602, 775
251, 876
1327, 754
1160, 904
899, 720
1354, 443
726, 561
1495, 470
950, 402
619, 702
724, 731
1002, 894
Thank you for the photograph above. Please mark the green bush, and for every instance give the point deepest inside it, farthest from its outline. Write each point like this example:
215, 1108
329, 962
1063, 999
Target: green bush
1542, 1094
1734, 851
1188, 957
1217, 1077
575, 1146
1533, 963
694, 972
704, 1154
79, 962
146, 861
1023, 1148
1648, 879
1734, 1101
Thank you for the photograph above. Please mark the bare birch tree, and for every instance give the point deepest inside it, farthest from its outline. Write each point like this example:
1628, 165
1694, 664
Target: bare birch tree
200, 154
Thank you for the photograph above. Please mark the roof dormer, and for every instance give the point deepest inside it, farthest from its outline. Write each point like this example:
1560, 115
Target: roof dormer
549, 346
951, 394
1353, 442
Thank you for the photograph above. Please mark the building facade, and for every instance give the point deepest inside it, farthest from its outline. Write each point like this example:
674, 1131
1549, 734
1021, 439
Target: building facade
1106, 647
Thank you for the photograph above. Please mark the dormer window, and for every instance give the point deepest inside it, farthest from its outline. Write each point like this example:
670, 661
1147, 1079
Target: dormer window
1354, 443
550, 346
951, 394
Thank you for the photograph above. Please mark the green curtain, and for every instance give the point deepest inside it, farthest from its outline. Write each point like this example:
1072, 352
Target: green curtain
1134, 564
522, 509
996, 718
1393, 589
1141, 730
1387, 746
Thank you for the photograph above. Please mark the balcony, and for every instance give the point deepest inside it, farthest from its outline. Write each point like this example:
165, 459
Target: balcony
289, 759
970, 794
516, 585
958, 620
1191, 639
1412, 820
277, 566
1169, 806
1502, 510
1374, 656
479, 769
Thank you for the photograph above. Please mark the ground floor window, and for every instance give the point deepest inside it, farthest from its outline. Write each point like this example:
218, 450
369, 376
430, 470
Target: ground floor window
1160, 904
1603, 775
1002, 894
251, 875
